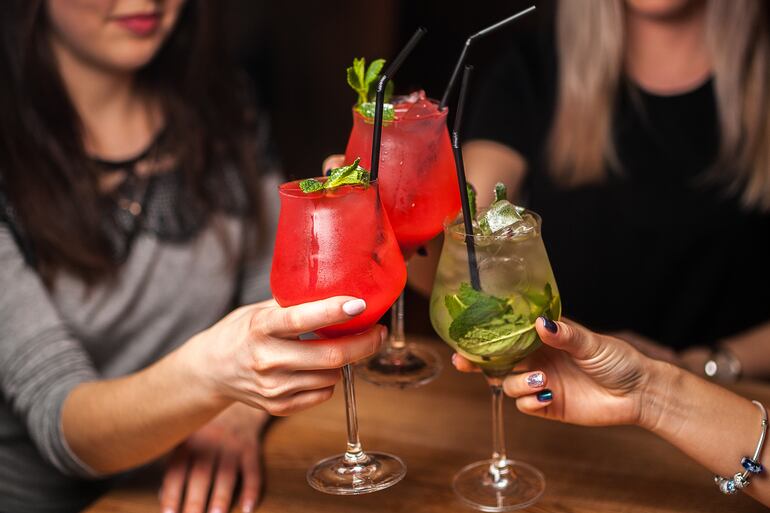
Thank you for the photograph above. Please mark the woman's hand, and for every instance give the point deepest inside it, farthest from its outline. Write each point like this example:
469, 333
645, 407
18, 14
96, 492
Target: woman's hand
649, 347
593, 380
254, 356
210, 461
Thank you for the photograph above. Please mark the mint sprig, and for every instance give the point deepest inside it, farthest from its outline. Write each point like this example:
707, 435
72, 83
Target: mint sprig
500, 191
363, 80
487, 325
352, 174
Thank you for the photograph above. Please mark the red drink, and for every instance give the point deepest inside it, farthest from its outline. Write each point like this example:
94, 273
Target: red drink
336, 243
417, 176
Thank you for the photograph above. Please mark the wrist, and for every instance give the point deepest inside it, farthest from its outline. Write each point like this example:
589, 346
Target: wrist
194, 370
659, 399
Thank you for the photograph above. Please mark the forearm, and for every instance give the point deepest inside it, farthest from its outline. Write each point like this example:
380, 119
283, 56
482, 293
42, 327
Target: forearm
752, 348
489, 162
119, 424
712, 425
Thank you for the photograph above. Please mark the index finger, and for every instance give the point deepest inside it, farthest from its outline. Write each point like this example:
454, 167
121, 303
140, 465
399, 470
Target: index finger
311, 355
293, 321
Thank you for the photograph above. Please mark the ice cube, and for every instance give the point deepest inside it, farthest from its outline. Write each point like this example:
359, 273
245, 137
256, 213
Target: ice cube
421, 109
501, 215
414, 106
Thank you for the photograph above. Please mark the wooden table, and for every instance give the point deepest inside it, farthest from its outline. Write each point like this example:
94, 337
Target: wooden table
445, 425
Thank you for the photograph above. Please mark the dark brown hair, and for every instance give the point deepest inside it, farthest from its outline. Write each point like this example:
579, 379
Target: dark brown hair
44, 169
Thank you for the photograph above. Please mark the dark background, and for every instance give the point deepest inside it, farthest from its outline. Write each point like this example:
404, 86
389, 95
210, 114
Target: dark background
297, 52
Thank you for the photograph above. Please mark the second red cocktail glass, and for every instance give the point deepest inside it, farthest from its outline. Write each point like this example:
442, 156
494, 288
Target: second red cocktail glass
420, 193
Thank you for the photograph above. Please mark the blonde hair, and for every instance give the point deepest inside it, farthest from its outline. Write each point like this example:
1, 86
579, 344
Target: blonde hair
590, 44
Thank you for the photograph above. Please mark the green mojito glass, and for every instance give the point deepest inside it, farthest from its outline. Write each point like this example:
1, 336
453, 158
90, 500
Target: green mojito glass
494, 327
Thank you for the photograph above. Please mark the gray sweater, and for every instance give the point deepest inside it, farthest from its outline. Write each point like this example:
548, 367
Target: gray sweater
53, 340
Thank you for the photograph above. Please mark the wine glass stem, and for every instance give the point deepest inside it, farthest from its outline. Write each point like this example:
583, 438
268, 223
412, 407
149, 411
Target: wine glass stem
354, 455
397, 340
499, 470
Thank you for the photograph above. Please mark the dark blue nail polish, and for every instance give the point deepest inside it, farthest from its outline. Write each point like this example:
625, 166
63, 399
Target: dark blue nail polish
550, 325
328, 172
545, 396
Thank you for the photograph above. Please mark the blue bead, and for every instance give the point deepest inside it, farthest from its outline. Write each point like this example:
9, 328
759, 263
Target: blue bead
730, 486
751, 465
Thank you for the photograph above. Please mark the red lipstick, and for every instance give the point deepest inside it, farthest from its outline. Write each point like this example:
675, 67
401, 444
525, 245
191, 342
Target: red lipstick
139, 24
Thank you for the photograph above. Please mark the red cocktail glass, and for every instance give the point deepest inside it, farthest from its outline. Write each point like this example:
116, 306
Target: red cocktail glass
339, 243
418, 186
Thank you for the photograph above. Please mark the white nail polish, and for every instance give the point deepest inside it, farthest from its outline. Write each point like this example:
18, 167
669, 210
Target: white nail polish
354, 306
248, 508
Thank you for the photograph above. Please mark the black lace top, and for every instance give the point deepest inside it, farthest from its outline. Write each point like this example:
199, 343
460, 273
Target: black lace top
151, 196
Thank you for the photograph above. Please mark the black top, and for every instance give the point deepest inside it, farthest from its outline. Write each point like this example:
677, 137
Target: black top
651, 249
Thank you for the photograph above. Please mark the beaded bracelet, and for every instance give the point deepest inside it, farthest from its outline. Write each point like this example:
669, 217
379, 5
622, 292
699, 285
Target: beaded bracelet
751, 465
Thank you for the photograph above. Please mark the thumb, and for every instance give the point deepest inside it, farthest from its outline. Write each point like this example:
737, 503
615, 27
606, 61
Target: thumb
569, 337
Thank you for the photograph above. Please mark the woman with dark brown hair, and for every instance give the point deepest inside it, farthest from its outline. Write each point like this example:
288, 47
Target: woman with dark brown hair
640, 131
132, 219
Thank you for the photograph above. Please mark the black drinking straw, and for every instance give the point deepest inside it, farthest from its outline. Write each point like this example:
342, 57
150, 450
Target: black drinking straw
464, 51
470, 246
380, 102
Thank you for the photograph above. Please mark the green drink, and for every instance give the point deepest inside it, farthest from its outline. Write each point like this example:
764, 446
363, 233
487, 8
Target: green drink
493, 325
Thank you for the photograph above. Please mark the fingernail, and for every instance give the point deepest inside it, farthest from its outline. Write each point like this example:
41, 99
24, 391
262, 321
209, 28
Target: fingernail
454, 359
248, 507
217, 510
545, 396
536, 380
168, 510
383, 334
354, 306
326, 173
550, 325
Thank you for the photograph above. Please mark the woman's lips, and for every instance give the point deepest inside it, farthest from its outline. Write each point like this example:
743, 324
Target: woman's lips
140, 24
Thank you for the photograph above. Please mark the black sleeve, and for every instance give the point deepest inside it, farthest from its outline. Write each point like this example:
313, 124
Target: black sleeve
502, 107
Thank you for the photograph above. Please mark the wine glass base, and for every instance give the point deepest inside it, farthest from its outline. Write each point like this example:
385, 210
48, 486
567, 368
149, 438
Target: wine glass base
416, 366
522, 488
334, 476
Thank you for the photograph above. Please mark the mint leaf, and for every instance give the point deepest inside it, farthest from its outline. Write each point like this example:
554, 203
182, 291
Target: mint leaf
500, 191
347, 175
367, 110
358, 66
370, 79
471, 192
482, 311
356, 79
310, 185
468, 295
465, 297
488, 341
454, 306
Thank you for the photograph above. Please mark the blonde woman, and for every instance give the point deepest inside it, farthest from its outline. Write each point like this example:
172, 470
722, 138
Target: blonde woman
640, 131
